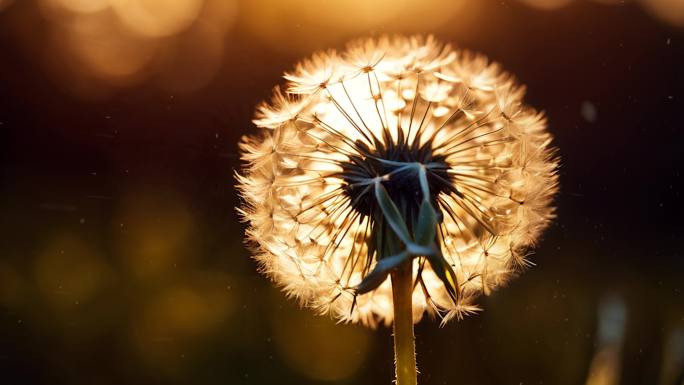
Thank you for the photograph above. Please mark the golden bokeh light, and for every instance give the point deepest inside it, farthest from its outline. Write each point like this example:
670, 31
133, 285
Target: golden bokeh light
11, 285
606, 365
80, 6
304, 342
605, 368
157, 18
547, 4
613, 2
170, 323
185, 310
153, 231
192, 60
673, 355
98, 46
68, 271
179, 45
364, 13
108, 51
124, 259
310, 24
669, 11
221, 14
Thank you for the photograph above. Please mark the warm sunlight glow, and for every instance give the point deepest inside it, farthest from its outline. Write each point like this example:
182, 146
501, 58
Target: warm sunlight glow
670, 11
270, 20
547, 4
348, 121
96, 45
79, 6
154, 18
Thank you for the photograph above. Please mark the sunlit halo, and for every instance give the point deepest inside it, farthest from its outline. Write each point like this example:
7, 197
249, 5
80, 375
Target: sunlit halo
311, 170
320, 21
547, 4
155, 18
80, 6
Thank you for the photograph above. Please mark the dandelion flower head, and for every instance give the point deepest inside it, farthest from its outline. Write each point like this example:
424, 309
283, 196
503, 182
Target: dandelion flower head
381, 115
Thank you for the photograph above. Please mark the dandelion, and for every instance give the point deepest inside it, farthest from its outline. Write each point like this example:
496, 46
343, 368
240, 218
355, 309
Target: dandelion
397, 178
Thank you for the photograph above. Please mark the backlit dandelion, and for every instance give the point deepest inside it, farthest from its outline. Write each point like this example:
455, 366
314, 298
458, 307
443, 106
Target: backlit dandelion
403, 158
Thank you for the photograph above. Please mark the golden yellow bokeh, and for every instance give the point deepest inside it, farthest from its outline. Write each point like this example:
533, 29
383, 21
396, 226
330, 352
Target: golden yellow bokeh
672, 353
669, 11
311, 24
184, 310
107, 50
156, 18
153, 230
613, 2
170, 323
605, 368
11, 285
192, 60
68, 271
79, 6
221, 14
547, 4
304, 342
98, 46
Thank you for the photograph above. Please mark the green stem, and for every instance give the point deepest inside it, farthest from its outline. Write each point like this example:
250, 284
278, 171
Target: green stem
404, 346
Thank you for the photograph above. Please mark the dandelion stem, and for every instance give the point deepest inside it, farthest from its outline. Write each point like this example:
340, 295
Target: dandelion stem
404, 345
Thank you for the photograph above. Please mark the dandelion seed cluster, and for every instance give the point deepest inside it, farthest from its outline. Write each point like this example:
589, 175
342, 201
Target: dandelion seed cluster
343, 121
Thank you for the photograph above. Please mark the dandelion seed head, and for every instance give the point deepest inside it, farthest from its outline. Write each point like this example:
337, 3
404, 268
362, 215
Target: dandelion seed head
348, 120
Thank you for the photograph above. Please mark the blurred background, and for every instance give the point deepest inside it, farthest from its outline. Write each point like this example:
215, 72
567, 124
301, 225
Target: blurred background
122, 257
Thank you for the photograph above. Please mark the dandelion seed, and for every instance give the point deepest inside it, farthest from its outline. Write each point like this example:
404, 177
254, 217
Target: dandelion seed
398, 154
